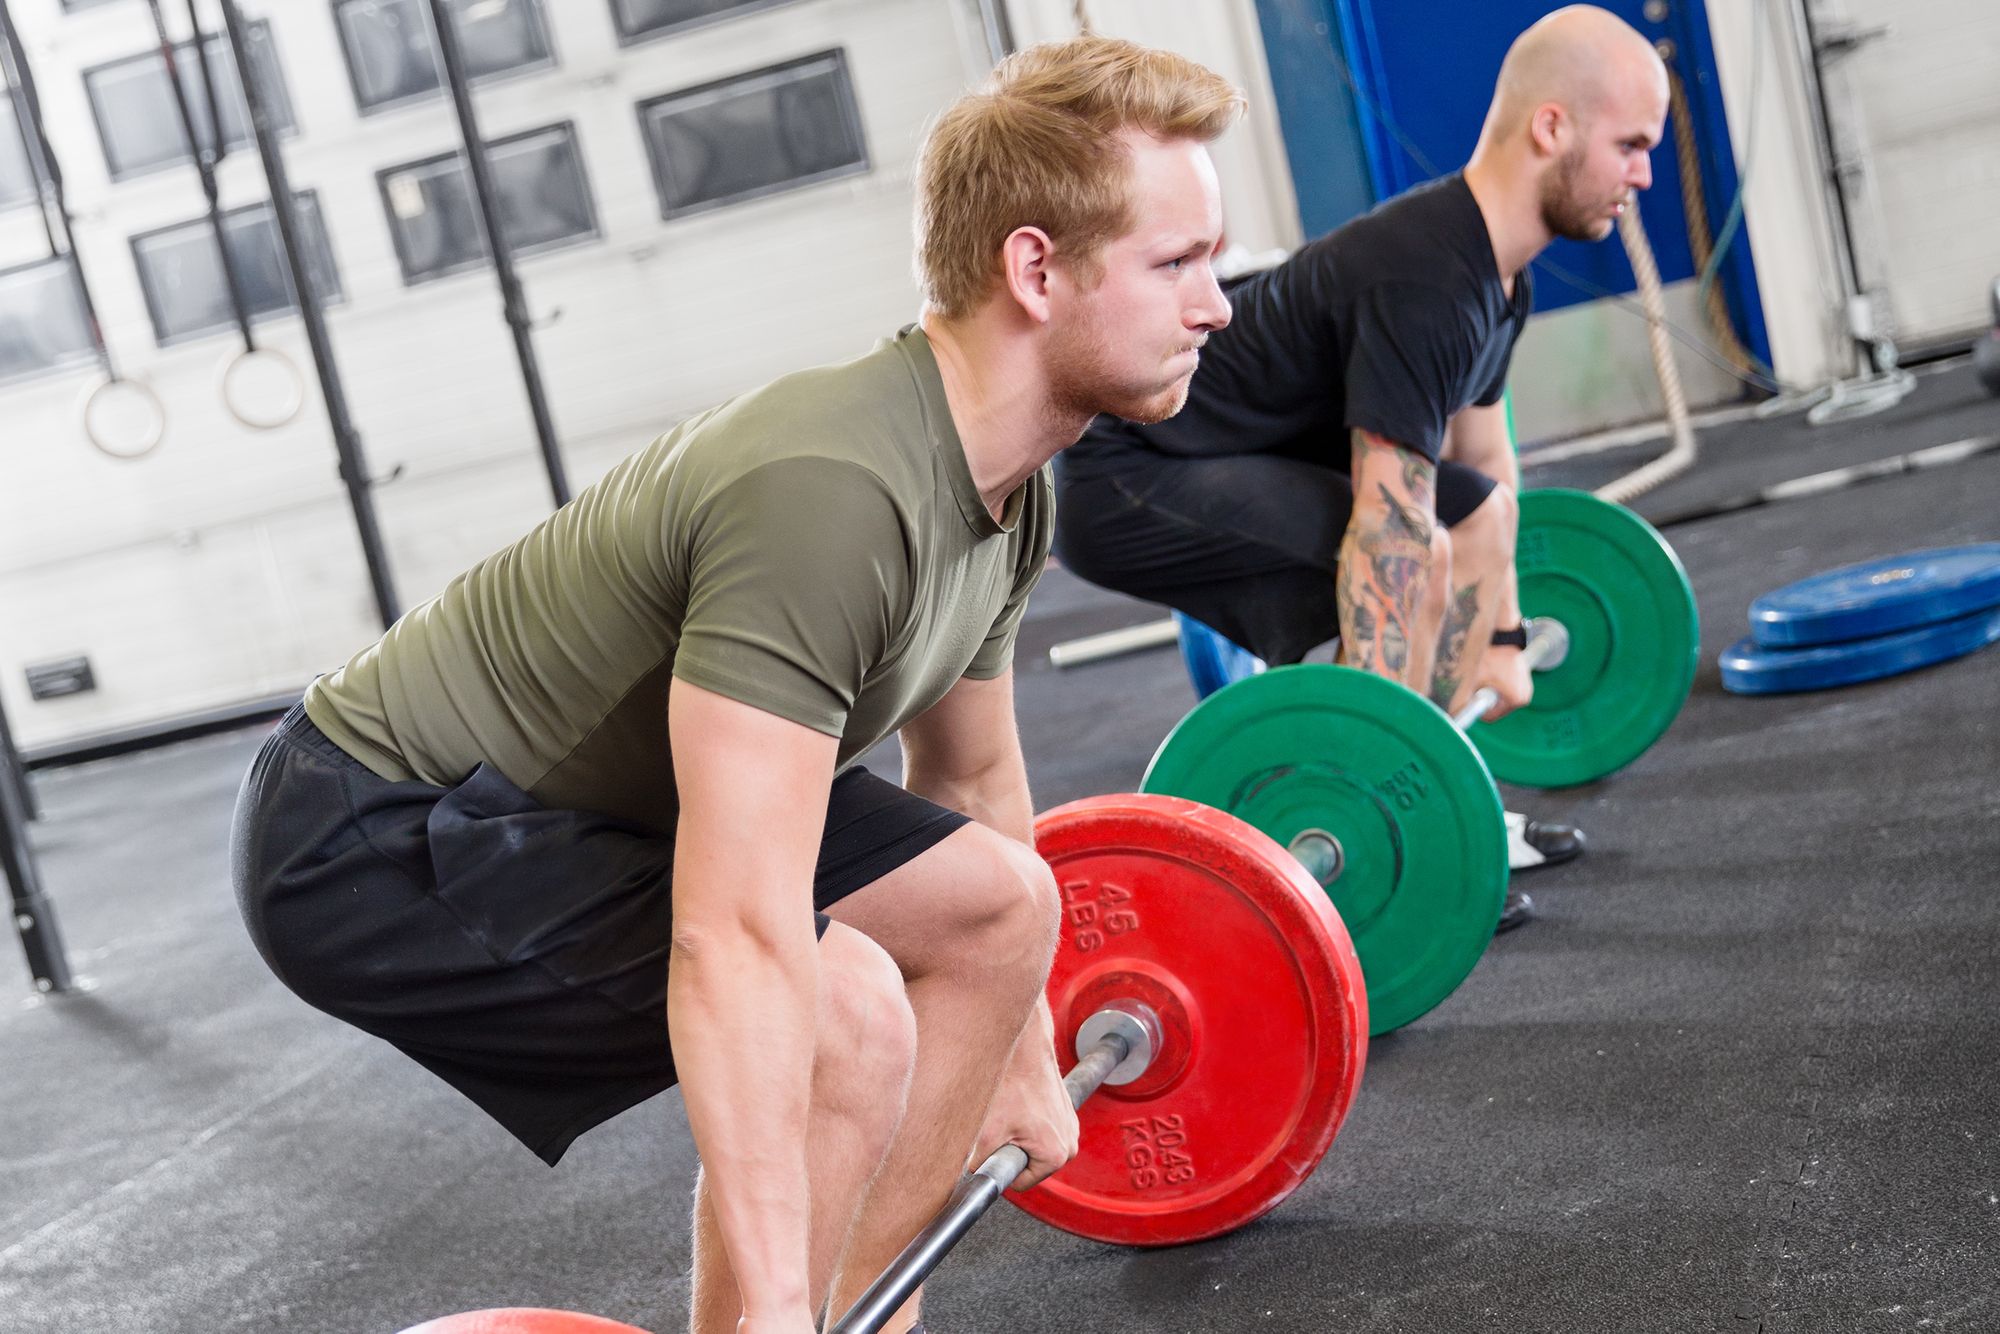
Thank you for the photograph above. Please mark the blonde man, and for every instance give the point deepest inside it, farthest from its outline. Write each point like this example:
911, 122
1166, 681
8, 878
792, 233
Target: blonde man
589, 822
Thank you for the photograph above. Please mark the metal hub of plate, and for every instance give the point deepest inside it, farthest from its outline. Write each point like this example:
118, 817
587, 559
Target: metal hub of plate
1330, 751
1263, 1019
1620, 592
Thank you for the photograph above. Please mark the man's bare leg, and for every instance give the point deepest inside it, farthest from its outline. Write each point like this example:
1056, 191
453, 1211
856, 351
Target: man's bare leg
864, 1051
973, 925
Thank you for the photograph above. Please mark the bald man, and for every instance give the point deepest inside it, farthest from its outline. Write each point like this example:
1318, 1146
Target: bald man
1343, 465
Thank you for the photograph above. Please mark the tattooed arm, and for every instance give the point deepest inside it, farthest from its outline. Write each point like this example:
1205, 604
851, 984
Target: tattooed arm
1487, 592
1388, 585
1478, 438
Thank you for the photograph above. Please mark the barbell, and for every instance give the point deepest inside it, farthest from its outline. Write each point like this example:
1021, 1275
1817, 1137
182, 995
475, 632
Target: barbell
1390, 805
1210, 1009
1612, 581
1218, 1022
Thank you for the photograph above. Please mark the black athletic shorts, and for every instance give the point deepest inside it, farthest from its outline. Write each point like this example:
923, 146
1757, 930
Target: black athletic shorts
1245, 543
518, 953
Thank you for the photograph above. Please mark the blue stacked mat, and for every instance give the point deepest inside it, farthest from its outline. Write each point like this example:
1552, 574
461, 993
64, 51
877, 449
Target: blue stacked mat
1875, 619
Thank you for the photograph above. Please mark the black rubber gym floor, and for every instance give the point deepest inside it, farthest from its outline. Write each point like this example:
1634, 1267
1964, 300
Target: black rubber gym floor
1740, 1076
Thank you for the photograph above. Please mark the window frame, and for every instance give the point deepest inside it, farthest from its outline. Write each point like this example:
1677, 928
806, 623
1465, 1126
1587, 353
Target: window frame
10, 134
568, 132
744, 9
335, 295
88, 356
288, 129
549, 62
656, 162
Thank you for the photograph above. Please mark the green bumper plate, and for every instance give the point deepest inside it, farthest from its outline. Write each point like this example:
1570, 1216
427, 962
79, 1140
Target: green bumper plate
1618, 588
1386, 803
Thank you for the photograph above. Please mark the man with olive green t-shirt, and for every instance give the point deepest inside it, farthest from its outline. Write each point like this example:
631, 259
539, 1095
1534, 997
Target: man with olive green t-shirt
587, 824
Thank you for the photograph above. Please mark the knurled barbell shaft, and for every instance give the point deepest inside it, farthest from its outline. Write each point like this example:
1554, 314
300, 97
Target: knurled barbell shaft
1548, 644
971, 1197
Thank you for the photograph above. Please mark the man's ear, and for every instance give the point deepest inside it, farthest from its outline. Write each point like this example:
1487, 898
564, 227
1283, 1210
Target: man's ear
1549, 128
1025, 259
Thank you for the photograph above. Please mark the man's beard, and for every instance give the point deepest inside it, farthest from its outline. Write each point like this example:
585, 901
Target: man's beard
1081, 383
1562, 212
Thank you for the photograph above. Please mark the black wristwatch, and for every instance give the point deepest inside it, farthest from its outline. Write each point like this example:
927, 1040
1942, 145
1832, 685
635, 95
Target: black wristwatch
1515, 638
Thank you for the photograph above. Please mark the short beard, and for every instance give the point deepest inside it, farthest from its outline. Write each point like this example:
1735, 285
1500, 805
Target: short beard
1562, 213
1080, 384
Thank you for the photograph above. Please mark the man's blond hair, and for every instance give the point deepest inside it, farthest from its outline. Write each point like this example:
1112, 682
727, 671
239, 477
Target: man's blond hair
1037, 146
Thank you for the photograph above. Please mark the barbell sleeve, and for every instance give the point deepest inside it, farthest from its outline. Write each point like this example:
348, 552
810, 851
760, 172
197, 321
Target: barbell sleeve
1548, 645
1125, 1035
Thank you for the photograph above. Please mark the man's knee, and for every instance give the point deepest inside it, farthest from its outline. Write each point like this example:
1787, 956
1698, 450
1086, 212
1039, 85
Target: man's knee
1010, 911
867, 1032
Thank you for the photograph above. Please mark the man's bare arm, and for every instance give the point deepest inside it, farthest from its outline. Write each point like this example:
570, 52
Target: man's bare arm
1386, 561
1478, 438
964, 753
743, 975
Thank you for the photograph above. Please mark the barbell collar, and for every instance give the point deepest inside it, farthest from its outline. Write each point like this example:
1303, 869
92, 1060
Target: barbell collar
1548, 649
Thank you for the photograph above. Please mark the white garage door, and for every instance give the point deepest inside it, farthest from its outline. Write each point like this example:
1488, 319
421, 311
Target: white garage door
1913, 91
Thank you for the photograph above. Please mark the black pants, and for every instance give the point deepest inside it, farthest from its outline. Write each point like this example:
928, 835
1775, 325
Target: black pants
518, 953
1245, 543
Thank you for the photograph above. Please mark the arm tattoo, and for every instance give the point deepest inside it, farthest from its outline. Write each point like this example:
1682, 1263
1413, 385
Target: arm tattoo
1386, 561
1416, 525
1451, 656
1419, 475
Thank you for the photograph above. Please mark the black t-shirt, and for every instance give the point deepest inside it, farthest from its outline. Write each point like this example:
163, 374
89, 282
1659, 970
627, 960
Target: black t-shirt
1391, 323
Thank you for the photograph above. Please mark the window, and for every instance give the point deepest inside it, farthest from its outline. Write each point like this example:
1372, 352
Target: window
42, 322
17, 178
755, 134
654, 18
136, 115
392, 55
180, 269
542, 199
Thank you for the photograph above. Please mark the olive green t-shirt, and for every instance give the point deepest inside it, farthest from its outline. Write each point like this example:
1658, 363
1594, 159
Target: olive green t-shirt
815, 549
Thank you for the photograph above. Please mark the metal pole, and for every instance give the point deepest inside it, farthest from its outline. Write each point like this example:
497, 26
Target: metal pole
34, 916
353, 469
515, 305
1126, 1035
15, 771
205, 156
1548, 645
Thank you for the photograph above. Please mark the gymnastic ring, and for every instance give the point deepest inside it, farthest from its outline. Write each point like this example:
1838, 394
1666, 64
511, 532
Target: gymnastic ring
290, 405
147, 441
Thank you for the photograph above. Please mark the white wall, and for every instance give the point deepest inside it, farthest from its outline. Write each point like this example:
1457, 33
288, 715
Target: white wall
1261, 212
224, 567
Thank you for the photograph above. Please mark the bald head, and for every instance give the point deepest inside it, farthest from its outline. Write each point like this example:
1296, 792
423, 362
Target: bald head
1579, 107
1582, 58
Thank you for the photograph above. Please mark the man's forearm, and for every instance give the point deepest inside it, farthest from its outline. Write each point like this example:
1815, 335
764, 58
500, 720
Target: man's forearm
740, 1014
1385, 567
996, 796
